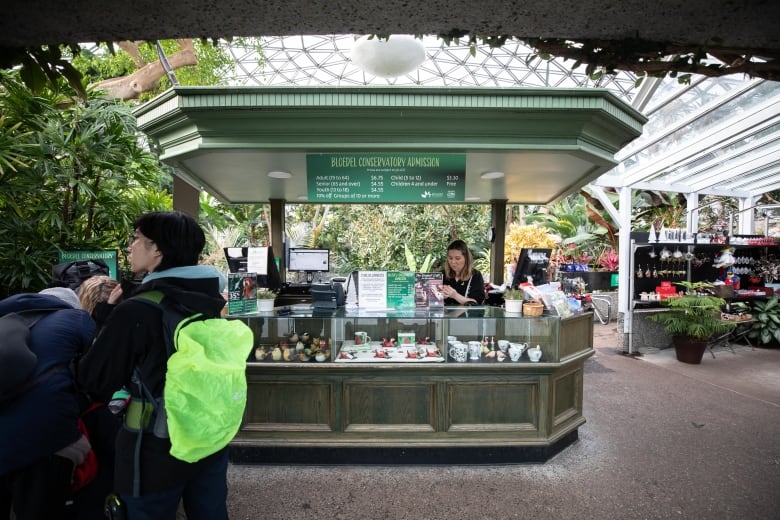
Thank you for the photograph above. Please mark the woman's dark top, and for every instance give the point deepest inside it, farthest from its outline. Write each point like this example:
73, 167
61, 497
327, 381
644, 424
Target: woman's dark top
476, 289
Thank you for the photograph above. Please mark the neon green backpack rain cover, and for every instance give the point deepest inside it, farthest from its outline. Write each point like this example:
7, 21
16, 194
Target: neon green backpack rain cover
205, 381
205, 385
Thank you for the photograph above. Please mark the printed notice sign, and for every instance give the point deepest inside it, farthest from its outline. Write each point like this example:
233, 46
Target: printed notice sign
257, 260
372, 289
386, 177
385, 289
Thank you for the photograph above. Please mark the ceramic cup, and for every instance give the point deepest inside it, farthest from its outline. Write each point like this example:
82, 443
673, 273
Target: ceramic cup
503, 344
515, 353
534, 354
361, 338
475, 350
458, 351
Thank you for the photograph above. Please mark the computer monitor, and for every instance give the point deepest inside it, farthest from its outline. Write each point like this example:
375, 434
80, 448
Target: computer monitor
238, 262
308, 261
533, 263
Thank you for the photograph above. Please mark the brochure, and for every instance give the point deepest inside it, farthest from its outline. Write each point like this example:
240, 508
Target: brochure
242, 293
427, 290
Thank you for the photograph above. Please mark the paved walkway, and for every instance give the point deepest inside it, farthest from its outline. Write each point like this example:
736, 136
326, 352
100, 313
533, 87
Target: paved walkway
663, 440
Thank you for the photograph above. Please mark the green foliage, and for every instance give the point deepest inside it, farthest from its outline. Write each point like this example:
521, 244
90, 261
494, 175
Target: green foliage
74, 177
695, 315
766, 328
42, 68
393, 237
411, 261
513, 294
579, 220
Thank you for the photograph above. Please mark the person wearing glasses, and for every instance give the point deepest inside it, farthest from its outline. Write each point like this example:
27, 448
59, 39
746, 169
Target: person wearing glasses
150, 482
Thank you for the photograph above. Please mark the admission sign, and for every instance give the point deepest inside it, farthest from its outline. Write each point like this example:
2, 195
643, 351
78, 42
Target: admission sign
386, 177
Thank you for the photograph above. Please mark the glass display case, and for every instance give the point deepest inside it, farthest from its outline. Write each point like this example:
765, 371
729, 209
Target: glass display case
305, 335
444, 378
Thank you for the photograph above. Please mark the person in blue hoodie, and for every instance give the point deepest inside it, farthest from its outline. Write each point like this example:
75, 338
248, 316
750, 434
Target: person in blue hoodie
166, 247
41, 442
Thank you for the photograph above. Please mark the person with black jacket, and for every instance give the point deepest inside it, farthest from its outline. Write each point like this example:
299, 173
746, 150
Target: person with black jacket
41, 441
150, 481
462, 284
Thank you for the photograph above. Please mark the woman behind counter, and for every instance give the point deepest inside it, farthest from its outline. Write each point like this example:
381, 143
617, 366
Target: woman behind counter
463, 285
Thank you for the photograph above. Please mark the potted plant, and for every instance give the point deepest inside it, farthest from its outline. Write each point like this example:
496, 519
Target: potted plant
513, 300
265, 300
692, 320
766, 327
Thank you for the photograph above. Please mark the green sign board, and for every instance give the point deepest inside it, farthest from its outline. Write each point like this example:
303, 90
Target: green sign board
109, 256
386, 177
400, 289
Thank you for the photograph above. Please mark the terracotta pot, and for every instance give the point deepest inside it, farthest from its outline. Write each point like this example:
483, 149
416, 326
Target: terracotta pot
689, 350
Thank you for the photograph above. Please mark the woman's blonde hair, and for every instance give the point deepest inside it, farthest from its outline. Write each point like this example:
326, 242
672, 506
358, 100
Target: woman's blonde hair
94, 290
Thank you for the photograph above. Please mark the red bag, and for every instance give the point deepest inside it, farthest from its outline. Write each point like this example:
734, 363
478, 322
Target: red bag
85, 472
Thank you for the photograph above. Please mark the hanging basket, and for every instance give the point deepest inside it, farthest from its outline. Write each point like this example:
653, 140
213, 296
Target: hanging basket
532, 309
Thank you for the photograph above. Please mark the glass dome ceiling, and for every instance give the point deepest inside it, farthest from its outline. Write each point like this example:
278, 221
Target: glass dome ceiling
325, 61
714, 136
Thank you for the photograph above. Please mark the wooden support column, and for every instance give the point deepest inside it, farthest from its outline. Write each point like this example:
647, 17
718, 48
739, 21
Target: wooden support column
277, 233
498, 220
186, 198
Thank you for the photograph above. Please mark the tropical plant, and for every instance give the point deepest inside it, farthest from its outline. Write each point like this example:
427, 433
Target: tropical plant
411, 261
695, 315
525, 236
608, 260
580, 228
74, 177
766, 328
513, 294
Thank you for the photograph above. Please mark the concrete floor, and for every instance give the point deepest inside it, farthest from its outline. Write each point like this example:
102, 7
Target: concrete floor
663, 440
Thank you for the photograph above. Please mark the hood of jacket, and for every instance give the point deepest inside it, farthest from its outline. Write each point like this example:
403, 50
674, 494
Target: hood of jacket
31, 301
198, 287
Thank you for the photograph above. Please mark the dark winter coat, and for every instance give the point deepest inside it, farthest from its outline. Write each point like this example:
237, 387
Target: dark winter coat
44, 419
132, 336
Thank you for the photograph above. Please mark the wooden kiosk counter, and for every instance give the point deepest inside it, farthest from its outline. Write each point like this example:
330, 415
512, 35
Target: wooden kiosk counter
401, 386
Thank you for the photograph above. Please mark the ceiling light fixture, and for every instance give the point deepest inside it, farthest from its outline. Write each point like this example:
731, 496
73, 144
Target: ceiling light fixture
279, 174
492, 175
395, 56
472, 199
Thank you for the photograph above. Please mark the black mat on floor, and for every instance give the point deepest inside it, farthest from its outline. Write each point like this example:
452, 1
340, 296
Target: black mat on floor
384, 456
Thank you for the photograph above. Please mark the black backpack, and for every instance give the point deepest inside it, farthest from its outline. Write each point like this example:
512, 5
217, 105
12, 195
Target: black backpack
17, 361
71, 274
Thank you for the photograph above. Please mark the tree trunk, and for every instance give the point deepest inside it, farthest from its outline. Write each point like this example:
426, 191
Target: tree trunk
146, 77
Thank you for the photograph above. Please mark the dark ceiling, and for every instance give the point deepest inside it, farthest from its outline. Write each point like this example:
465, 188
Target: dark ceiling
739, 23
